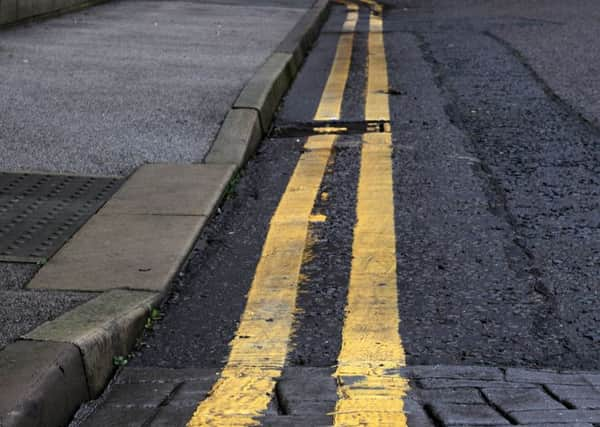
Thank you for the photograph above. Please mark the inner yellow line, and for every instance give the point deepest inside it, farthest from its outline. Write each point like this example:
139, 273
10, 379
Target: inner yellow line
377, 103
370, 387
260, 346
333, 94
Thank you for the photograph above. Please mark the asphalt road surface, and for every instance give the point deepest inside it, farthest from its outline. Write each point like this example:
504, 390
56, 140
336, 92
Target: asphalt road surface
495, 162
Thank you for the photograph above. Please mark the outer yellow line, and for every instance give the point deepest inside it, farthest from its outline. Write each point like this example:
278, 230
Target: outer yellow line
333, 94
370, 387
259, 349
260, 346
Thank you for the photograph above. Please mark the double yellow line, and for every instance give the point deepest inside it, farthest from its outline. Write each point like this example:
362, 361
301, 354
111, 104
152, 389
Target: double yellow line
370, 389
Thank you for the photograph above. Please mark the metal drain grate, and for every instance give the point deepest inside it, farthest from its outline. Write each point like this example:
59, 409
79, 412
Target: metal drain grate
338, 127
39, 213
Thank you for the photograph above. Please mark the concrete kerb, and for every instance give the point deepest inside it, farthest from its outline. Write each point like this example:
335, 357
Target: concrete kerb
43, 383
299, 41
65, 362
266, 88
238, 138
250, 119
102, 328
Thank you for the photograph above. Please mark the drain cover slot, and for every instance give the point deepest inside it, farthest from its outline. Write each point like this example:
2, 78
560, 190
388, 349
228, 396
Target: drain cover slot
338, 127
39, 213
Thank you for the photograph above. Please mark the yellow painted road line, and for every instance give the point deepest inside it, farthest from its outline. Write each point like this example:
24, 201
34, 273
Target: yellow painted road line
377, 103
333, 94
260, 347
370, 389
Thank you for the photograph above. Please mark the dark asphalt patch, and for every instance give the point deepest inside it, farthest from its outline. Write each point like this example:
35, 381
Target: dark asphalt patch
325, 276
353, 105
497, 201
208, 298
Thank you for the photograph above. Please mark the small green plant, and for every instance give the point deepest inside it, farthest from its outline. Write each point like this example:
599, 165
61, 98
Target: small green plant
229, 192
154, 316
120, 361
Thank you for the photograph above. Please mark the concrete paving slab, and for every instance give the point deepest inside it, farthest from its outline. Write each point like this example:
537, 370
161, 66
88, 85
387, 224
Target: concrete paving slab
46, 382
104, 327
569, 417
124, 417
521, 400
133, 375
121, 251
171, 189
297, 421
140, 395
170, 416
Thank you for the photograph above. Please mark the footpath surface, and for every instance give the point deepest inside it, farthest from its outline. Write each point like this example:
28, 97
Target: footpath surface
112, 163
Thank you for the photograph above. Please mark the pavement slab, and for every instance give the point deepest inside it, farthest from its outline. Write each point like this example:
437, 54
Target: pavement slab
140, 252
137, 396
163, 189
307, 395
499, 402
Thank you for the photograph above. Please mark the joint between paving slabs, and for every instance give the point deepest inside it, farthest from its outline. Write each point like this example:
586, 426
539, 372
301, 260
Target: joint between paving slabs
553, 395
432, 416
162, 404
497, 408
